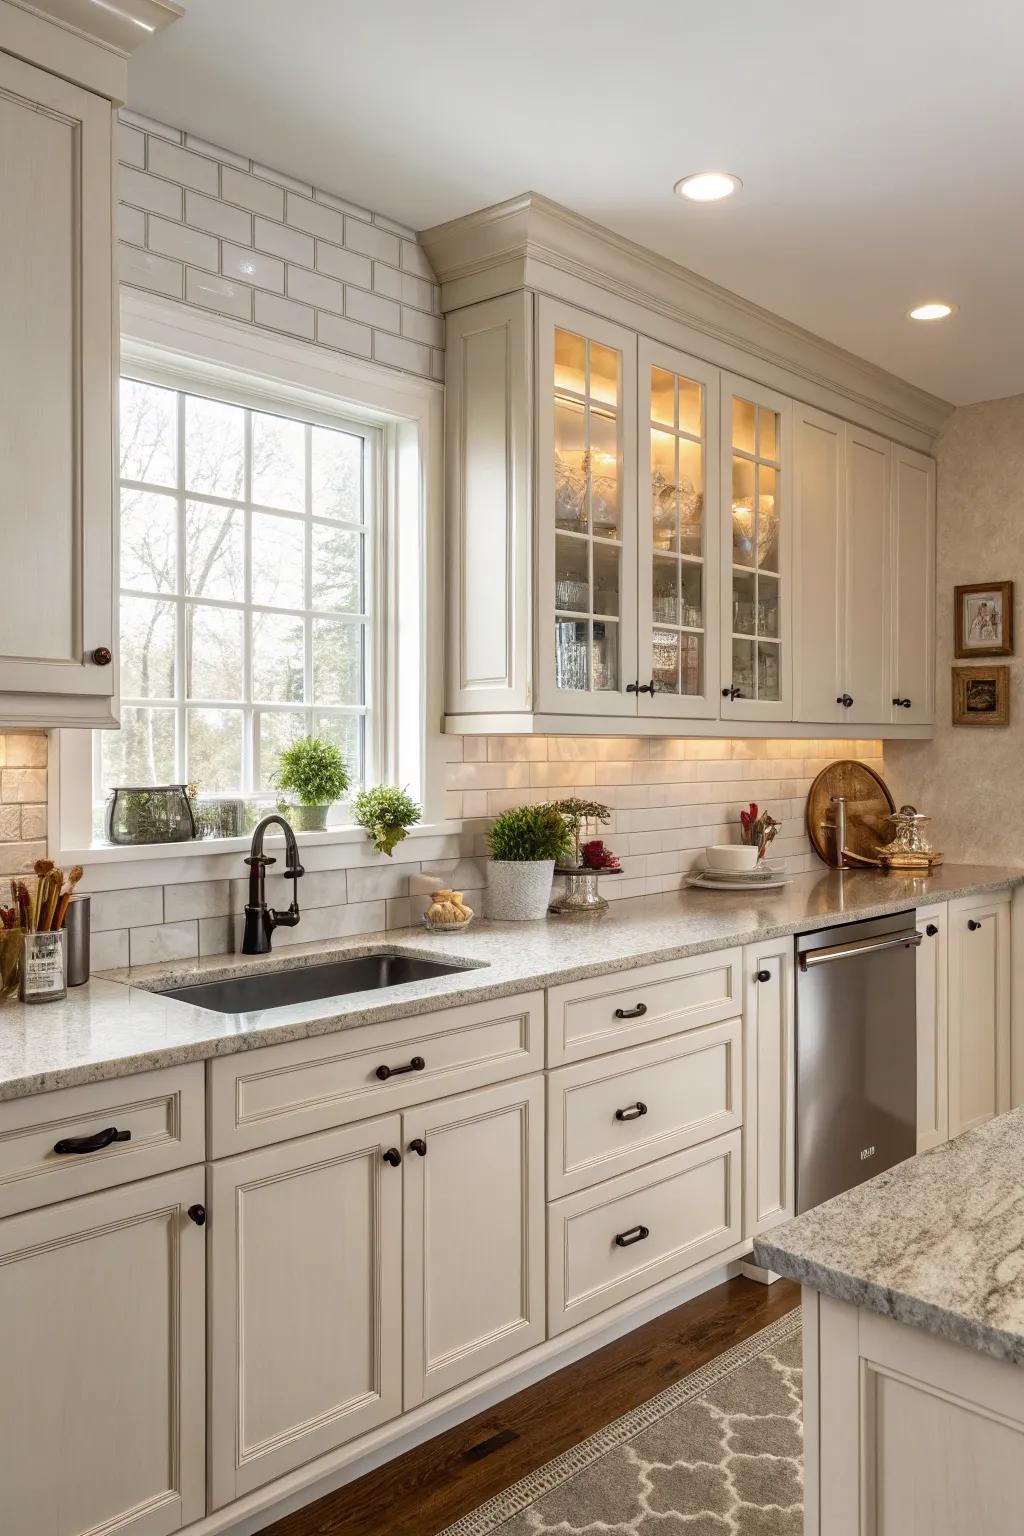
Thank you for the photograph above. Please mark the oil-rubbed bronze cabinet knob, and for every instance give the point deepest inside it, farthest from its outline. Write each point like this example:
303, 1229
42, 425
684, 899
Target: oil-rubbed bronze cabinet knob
101, 656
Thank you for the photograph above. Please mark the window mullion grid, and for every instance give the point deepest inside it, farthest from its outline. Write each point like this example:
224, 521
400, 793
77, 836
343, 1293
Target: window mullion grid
307, 623
250, 718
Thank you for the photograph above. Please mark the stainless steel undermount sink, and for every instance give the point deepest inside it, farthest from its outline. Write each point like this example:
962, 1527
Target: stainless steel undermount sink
307, 983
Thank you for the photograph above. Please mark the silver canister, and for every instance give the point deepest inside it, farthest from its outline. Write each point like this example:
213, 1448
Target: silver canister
77, 928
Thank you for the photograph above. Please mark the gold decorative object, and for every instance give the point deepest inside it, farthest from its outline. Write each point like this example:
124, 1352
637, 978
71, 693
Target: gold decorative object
909, 848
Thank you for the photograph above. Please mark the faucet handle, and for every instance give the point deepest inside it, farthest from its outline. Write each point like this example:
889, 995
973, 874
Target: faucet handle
262, 859
294, 871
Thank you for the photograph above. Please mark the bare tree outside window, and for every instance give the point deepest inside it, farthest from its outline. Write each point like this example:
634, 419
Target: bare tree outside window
246, 581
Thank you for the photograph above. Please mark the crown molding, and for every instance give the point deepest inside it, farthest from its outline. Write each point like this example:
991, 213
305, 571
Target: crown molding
120, 25
88, 42
530, 241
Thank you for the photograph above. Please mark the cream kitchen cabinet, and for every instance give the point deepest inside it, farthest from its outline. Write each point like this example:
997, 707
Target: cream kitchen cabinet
932, 1026
305, 1300
473, 1234
102, 1335
864, 578
979, 1009
769, 1103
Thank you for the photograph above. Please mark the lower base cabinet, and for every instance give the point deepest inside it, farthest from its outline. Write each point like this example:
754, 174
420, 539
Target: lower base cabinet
305, 1300
932, 1026
979, 1009
769, 1071
102, 1329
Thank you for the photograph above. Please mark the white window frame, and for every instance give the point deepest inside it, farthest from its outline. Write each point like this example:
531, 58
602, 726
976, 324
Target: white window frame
371, 618
188, 349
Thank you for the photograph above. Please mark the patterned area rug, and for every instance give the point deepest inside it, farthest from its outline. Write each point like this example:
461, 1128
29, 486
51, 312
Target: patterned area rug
718, 1454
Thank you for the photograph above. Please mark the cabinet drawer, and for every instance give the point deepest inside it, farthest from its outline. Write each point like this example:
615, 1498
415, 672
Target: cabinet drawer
617, 1112
671, 1214
604, 1013
280, 1091
162, 1112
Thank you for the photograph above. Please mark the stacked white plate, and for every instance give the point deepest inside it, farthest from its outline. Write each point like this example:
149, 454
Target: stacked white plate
764, 877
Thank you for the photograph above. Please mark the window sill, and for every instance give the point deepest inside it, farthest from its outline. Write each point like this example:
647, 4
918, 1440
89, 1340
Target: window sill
211, 847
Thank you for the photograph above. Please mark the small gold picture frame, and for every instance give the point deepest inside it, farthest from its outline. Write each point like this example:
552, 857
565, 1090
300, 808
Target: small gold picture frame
983, 619
981, 696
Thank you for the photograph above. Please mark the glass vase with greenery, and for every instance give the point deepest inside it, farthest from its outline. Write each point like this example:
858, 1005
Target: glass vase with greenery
387, 814
576, 814
313, 771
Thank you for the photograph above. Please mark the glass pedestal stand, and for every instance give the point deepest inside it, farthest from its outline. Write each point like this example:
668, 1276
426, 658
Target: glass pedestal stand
581, 892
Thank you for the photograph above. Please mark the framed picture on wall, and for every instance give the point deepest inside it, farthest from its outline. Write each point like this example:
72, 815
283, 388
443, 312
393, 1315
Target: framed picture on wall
983, 619
981, 695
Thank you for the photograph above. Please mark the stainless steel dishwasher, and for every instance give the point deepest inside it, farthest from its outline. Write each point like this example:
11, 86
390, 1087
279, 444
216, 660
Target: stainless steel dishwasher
856, 1054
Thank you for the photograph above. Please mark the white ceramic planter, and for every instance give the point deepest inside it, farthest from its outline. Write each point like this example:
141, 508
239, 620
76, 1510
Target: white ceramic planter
519, 892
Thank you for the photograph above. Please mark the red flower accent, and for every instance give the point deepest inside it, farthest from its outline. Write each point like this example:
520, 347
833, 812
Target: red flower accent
594, 855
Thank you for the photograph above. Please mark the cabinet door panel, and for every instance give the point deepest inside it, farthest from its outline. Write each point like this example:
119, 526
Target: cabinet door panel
757, 540
932, 1027
102, 1335
306, 1313
769, 1069
678, 540
56, 387
866, 548
586, 513
913, 588
979, 1010
474, 1234
818, 551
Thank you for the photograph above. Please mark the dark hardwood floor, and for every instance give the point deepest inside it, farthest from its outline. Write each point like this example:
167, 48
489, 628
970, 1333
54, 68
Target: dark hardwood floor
428, 1488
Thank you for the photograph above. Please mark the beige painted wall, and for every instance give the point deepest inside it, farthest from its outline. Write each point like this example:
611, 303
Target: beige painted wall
971, 780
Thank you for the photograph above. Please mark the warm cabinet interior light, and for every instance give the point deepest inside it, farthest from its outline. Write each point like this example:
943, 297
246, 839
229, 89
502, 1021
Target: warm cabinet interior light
708, 186
935, 311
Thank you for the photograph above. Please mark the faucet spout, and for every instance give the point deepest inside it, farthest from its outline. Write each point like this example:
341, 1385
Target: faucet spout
261, 920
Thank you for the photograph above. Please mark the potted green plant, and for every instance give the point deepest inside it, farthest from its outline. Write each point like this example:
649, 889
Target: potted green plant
524, 844
314, 772
387, 813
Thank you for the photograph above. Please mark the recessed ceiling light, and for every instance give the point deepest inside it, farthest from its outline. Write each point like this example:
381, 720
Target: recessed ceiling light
935, 310
708, 186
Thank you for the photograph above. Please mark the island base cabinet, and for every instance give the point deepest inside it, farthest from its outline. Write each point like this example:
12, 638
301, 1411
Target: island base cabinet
474, 1234
906, 1434
979, 1009
305, 1301
102, 1308
769, 1086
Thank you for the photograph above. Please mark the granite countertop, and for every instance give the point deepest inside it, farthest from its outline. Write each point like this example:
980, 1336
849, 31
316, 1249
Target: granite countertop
116, 1024
937, 1241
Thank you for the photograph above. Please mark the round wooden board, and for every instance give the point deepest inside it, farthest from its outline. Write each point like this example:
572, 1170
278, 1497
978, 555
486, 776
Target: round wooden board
868, 803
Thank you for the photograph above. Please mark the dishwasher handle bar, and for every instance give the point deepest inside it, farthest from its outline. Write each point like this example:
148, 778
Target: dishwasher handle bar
909, 938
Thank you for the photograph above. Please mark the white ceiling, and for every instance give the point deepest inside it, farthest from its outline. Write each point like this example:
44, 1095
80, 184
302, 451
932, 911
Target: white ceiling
881, 145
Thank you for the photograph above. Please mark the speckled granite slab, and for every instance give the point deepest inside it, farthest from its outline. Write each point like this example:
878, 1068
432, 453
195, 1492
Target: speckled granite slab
937, 1241
115, 1024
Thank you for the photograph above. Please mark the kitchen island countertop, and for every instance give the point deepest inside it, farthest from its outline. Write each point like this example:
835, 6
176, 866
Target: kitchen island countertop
117, 1024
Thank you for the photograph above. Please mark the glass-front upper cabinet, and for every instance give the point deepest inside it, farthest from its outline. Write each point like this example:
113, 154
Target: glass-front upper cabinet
586, 543
756, 468
678, 539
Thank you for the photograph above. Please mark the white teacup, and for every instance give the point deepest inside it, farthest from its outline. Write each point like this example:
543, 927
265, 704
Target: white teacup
731, 858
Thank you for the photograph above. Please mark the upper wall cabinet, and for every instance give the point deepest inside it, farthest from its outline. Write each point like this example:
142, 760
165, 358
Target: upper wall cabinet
58, 344
645, 538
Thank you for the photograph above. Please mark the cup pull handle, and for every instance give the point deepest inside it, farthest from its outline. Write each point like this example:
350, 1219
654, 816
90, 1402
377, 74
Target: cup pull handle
632, 1111
634, 1235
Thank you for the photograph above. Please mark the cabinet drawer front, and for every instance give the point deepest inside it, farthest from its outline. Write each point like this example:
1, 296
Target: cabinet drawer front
280, 1091
604, 1013
162, 1112
668, 1217
618, 1112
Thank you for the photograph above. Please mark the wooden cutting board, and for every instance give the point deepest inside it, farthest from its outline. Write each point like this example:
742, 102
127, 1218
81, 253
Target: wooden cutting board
868, 804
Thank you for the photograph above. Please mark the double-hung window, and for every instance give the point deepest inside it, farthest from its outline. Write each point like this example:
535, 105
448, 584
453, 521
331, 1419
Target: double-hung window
249, 612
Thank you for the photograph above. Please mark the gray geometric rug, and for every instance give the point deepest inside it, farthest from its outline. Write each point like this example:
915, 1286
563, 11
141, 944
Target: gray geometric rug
720, 1453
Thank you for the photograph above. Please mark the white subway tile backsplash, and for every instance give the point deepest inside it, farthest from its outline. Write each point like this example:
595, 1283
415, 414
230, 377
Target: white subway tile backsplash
315, 219
284, 315
279, 240
402, 286
108, 951
219, 935
144, 905
182, 243
150, 125
399, 353
166, 941
198, 898
218, 293
181, 165
396, 229
342, 205
218, 218
421, 327
249, 192
131, 146
215, 152
414, 260
252, 267
347, 265
282, 179
345, 335
131, 224
142, 269
313, 288
371, 241
371, 309
149, 192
